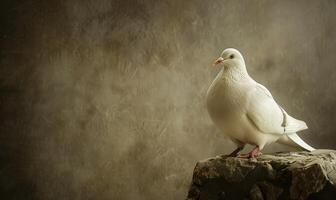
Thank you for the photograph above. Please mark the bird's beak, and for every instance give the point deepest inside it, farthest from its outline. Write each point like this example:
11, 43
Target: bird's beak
218, 61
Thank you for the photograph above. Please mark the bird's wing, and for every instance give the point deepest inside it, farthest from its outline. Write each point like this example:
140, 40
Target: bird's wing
267, 116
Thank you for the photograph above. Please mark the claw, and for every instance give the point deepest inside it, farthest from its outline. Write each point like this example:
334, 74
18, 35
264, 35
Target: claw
252, 154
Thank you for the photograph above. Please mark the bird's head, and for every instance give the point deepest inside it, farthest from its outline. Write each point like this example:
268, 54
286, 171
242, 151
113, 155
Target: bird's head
230, 58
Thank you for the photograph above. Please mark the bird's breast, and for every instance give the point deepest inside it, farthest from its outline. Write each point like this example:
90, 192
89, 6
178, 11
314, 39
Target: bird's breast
226, 100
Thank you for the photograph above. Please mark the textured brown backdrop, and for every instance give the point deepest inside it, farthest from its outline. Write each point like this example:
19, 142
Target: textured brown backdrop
105, 99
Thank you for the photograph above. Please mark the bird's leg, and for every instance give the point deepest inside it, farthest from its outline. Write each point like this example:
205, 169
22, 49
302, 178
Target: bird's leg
236, 151
252, 154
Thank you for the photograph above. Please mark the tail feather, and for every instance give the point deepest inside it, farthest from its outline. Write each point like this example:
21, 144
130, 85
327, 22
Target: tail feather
294, 125
298, 141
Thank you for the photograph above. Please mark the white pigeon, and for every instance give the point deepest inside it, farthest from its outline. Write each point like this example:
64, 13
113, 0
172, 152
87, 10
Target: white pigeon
245, 110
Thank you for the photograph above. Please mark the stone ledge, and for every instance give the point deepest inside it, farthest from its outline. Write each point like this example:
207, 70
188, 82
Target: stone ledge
291, 175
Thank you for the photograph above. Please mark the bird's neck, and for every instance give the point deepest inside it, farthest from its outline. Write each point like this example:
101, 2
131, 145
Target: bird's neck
235, 73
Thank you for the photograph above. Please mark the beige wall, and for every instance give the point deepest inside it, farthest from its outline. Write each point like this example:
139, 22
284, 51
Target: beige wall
107, 99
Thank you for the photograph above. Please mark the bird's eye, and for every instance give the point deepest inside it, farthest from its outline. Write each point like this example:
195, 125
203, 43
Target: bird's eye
231, 56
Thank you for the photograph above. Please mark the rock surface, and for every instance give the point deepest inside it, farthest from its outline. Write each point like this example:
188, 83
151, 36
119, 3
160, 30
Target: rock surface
293, 175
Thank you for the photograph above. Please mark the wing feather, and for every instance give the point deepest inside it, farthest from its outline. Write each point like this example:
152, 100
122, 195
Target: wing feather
267, 116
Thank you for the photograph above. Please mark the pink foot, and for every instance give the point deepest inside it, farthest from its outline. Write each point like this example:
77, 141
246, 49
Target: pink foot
252, 154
